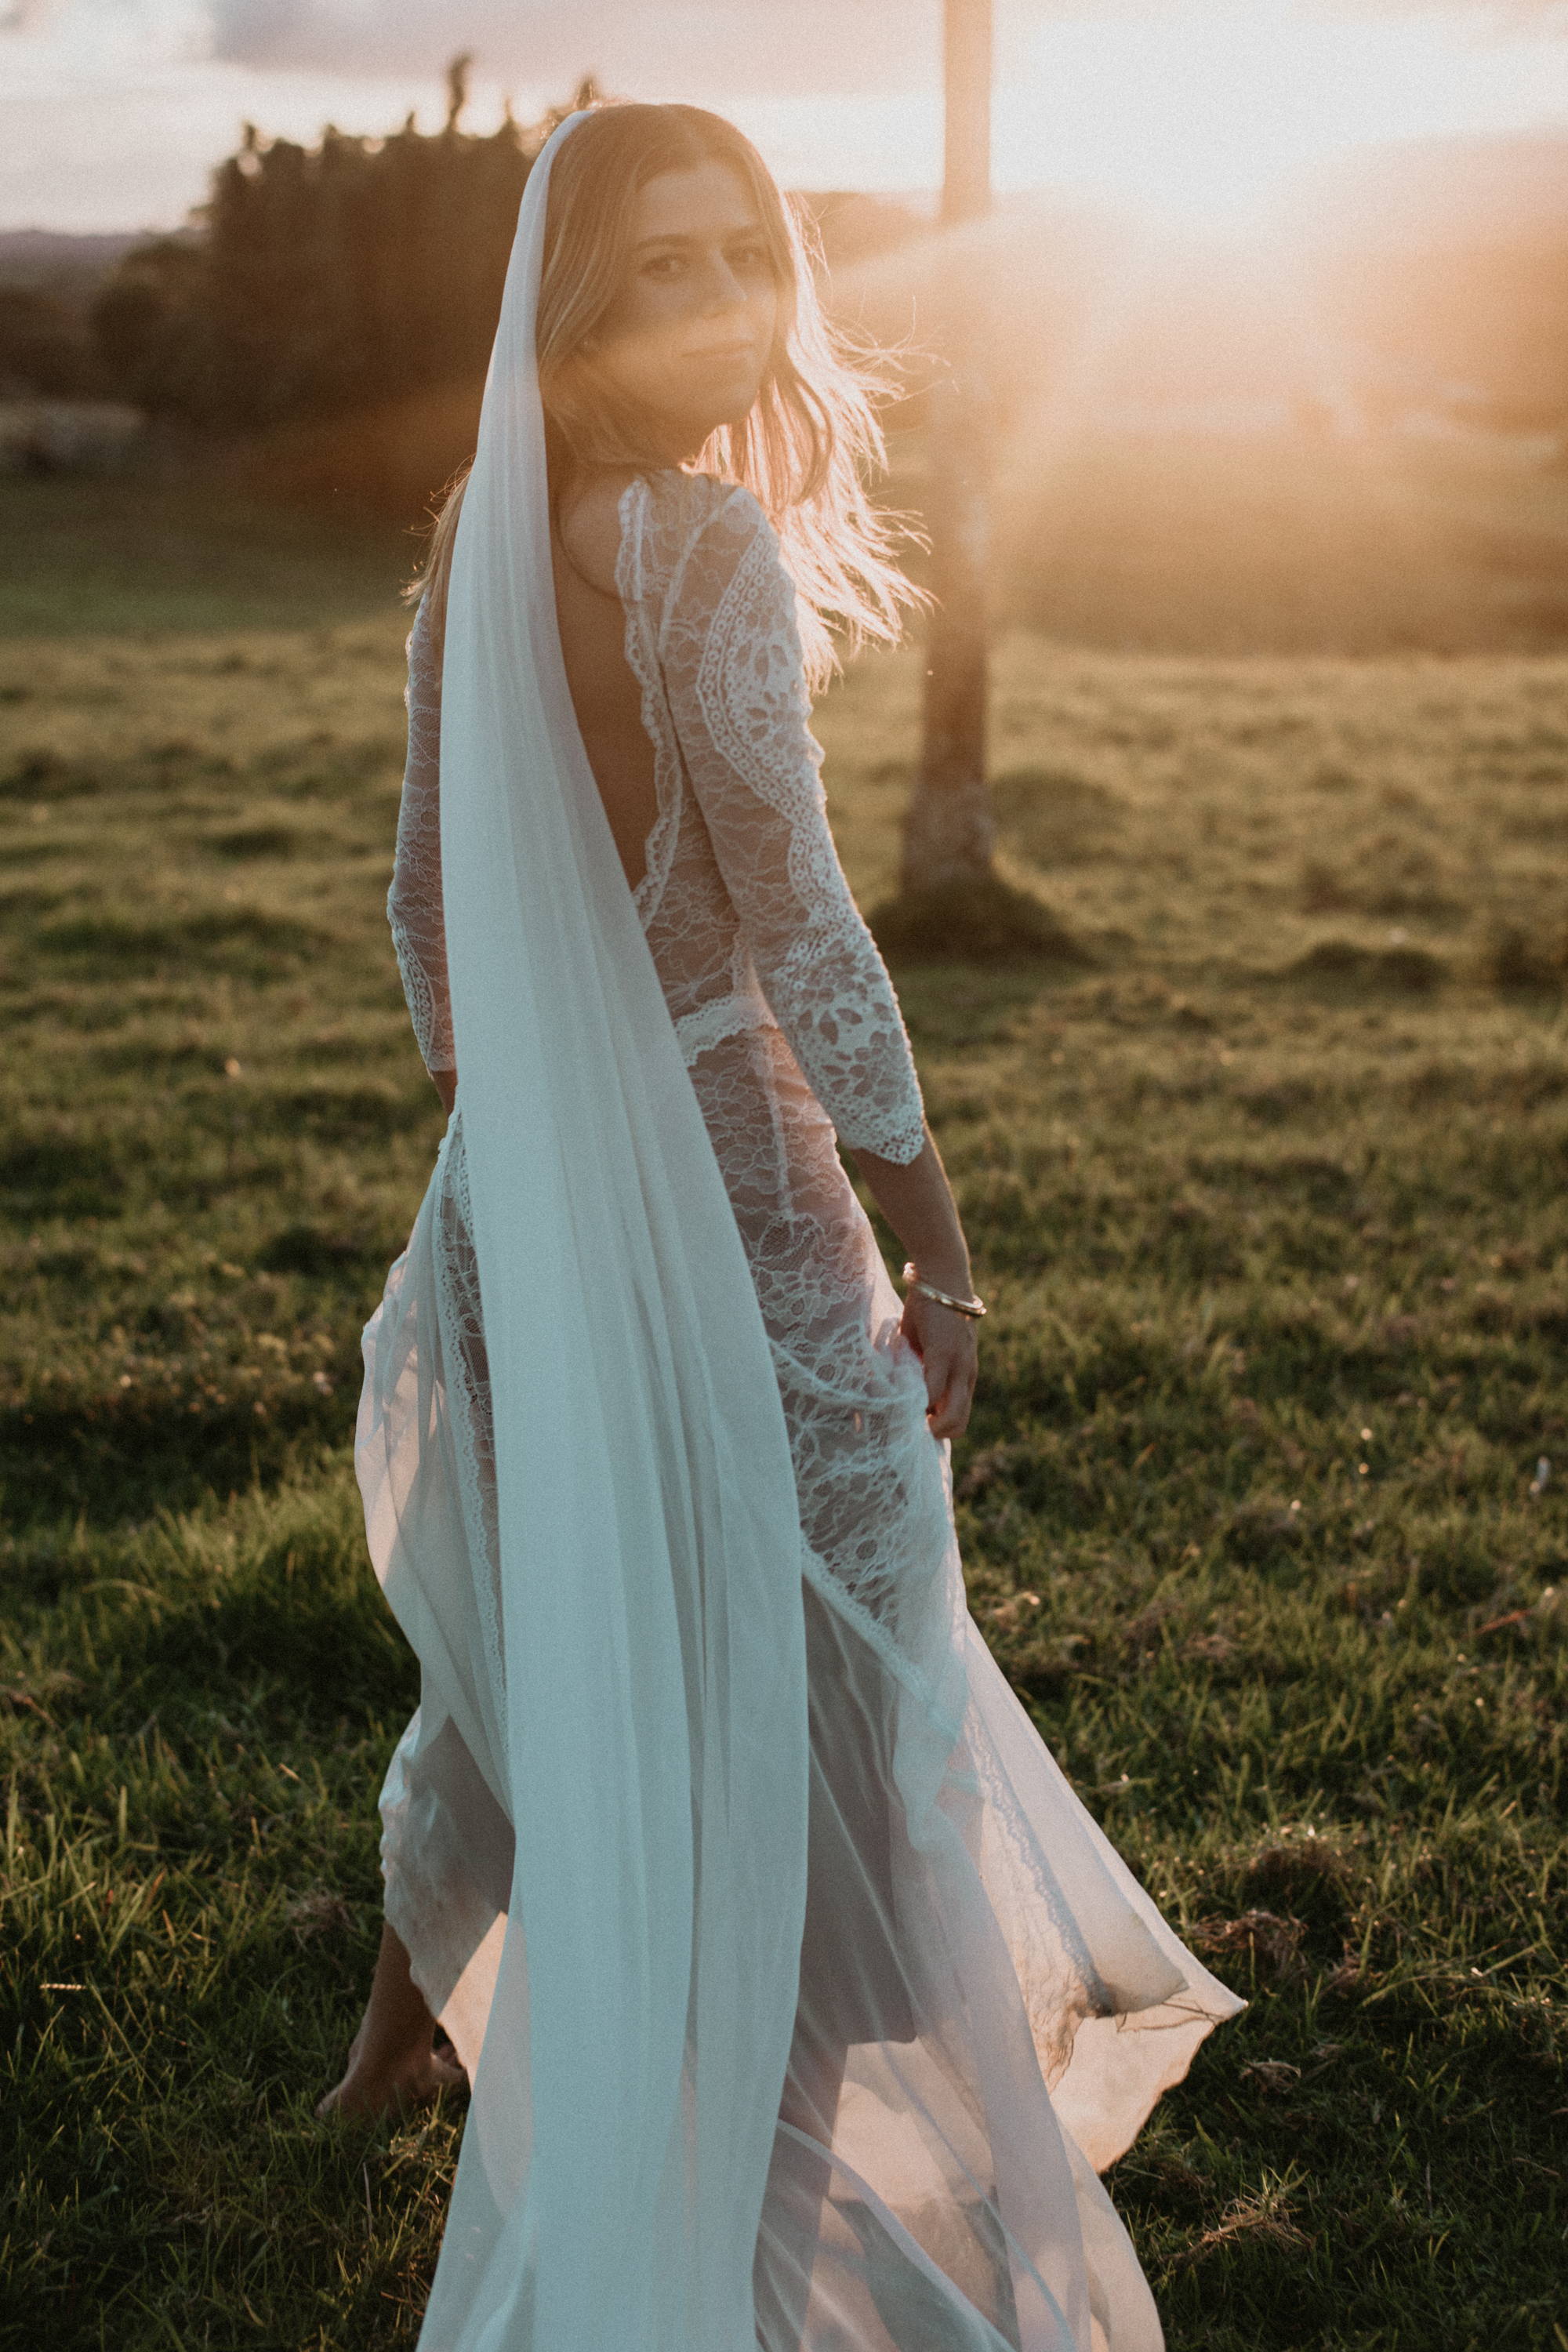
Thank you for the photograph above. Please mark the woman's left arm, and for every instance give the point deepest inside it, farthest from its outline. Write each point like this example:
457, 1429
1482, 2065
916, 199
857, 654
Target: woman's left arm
735, 678
737, 693
917, 1201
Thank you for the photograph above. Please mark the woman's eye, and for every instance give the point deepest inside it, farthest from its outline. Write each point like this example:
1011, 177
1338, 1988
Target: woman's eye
751, 257
663, 264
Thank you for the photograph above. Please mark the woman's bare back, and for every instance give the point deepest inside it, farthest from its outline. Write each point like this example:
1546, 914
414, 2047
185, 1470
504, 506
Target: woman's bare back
605, 695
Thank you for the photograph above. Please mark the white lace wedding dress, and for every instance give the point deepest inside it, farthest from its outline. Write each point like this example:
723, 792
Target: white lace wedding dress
988, 2004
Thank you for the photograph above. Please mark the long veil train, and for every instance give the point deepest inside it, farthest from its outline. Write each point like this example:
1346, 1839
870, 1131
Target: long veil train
683, 1826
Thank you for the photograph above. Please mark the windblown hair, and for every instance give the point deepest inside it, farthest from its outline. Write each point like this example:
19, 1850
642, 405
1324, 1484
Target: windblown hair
810, 439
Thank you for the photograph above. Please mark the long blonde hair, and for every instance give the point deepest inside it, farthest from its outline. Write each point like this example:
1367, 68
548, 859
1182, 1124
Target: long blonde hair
811, 438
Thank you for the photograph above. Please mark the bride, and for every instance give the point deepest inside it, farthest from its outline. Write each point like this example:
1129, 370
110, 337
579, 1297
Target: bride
800, 2000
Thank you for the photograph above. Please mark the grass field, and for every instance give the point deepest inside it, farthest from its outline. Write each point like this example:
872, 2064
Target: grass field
1263, 1506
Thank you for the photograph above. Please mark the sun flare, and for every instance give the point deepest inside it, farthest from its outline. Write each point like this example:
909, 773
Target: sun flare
1206, 113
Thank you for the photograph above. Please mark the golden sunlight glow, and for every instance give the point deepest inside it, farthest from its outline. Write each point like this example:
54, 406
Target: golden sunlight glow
1202, 112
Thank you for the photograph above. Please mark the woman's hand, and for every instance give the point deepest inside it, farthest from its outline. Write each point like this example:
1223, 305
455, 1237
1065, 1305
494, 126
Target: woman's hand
945, 1342
916, 1199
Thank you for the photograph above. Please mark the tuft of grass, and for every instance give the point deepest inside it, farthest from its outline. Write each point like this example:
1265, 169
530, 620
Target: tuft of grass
1262, 1509
1345, 963
1515, 962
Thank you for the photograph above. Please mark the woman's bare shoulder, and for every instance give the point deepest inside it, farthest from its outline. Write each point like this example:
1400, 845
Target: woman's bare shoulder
589, 521
681, 505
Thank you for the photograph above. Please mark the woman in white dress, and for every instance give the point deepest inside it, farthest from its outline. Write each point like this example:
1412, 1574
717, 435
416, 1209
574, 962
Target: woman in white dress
800, 2000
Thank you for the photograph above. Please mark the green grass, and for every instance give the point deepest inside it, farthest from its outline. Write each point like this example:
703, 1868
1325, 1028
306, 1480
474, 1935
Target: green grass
136, 554
1278, 1252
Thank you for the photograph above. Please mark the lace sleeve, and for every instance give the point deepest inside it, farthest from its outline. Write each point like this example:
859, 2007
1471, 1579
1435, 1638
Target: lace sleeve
413, 901
731, 660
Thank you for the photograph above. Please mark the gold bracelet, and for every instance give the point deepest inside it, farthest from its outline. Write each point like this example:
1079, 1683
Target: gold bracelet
971, 1307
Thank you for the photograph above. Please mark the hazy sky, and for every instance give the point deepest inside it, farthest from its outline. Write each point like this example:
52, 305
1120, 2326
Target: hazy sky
112, 111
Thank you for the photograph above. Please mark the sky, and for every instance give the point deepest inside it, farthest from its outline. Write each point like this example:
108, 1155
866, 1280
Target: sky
113, 112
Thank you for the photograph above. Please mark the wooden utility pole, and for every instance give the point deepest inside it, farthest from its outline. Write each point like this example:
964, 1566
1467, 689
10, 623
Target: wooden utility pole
949, 831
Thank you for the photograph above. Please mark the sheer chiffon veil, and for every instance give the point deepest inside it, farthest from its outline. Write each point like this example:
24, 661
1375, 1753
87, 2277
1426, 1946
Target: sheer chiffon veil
645, 1709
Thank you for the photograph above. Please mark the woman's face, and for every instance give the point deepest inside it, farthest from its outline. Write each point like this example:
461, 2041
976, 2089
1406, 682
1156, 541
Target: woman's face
690, 332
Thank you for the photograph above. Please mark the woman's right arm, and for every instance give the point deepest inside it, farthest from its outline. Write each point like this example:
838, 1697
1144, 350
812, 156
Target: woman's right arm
413, 901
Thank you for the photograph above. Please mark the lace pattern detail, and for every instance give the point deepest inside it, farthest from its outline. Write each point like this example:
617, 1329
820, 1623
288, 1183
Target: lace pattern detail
413, 900
732, 664
721, 1017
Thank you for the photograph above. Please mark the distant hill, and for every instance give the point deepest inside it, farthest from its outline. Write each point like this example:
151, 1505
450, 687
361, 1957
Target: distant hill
40, 256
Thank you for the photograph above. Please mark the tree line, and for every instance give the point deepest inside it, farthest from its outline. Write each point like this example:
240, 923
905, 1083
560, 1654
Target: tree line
322, 280
327, 279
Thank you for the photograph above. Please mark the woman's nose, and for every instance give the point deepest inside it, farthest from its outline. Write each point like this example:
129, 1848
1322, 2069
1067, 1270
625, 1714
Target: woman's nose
721, 289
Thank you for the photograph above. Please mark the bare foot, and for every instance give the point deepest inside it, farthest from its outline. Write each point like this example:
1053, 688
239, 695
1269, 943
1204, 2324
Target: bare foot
391, 2084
